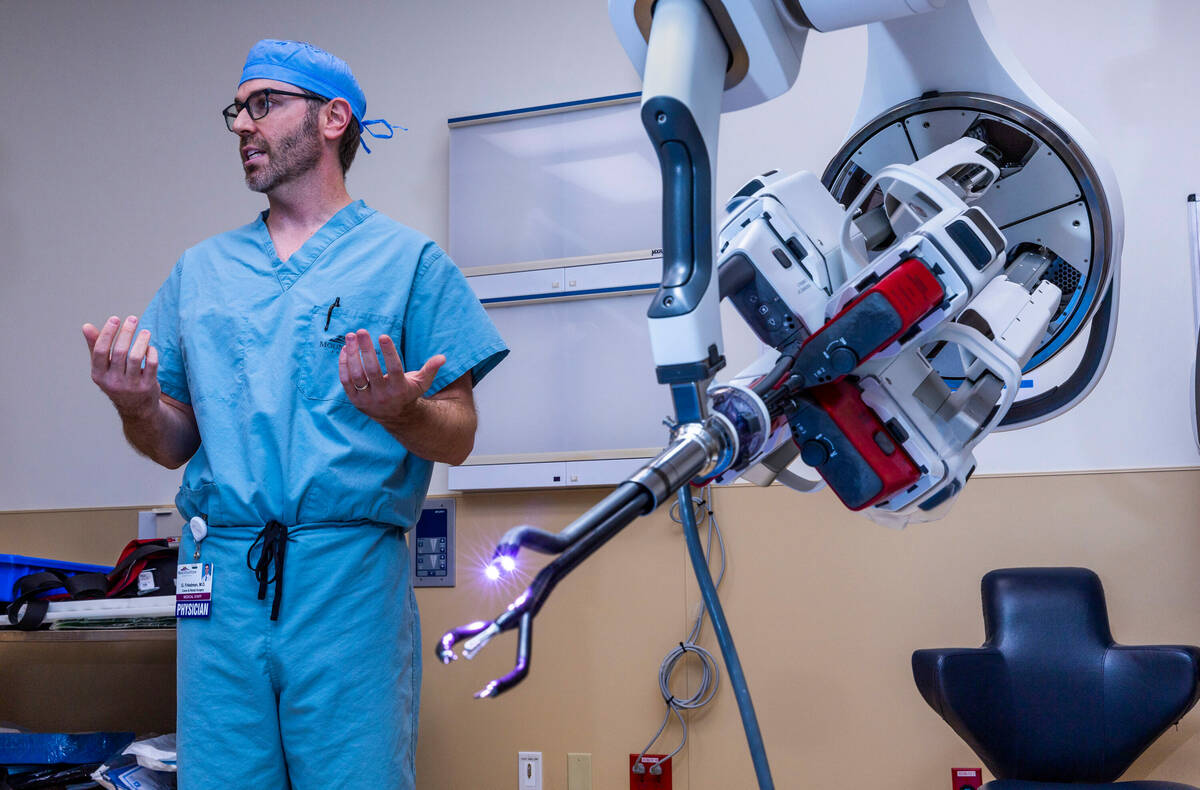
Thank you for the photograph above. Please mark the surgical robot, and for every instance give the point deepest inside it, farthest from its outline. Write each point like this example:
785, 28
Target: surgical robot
952, 273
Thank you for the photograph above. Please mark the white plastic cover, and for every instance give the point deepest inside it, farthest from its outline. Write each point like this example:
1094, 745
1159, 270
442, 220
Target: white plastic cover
827, 15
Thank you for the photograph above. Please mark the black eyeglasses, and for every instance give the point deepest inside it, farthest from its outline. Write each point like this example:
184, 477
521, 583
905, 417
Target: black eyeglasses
259, 103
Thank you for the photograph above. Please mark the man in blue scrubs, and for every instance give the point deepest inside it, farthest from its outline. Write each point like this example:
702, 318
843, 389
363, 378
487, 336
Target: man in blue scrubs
308, 447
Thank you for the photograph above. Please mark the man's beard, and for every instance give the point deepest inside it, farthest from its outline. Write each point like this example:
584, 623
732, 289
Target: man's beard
292, 156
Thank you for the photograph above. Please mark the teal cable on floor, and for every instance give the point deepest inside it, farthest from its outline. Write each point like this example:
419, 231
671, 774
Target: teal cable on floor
737, 679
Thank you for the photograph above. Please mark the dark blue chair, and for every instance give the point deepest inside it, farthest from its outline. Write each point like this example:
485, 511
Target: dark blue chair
1050, 702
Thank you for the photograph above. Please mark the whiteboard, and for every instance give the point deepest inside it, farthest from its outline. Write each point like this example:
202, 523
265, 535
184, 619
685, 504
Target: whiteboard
560, 185
555, 392
579, 382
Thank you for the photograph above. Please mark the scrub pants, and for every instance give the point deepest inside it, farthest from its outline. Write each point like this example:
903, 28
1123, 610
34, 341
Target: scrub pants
324, 697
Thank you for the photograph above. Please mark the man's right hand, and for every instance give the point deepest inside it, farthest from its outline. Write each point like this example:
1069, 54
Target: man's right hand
117, 368
157, 425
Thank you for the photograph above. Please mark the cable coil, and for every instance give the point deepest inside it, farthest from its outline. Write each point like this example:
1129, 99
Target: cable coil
710, 676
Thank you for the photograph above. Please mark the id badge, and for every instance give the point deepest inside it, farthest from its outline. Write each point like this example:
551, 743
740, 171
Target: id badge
193, 589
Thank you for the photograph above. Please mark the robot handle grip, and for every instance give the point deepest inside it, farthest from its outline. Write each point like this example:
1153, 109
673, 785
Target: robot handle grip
915, 187
994, 358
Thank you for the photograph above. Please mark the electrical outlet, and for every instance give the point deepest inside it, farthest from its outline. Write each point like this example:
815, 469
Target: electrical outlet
529, 771
579, 771
966, 778
647, 779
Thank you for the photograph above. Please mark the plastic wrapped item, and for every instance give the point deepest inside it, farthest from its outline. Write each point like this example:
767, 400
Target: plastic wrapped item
157, 754
128, 775
147, 764
59, 748
52, 778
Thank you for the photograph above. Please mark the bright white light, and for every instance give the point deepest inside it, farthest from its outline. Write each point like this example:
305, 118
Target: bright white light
508, 563
492, 572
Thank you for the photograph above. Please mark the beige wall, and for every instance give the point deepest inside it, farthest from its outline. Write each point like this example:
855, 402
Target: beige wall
826, 608
66, 687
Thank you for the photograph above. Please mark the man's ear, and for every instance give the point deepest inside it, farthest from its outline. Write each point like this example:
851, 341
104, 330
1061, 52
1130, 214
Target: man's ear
337, 118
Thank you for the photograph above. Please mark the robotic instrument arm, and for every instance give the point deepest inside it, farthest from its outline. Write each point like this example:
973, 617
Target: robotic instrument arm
848, 384
865, 300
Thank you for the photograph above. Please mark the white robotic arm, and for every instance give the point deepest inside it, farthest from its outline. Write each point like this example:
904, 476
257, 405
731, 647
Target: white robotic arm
854, 325
913, 298
698, 58
1059, 204
764, 39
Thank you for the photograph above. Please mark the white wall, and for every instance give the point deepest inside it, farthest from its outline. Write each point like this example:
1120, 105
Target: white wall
113, 159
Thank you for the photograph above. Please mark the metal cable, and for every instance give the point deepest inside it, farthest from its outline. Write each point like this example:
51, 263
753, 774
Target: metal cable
710, 673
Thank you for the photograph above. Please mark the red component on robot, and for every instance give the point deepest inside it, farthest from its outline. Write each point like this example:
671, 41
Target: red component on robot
911, 289
869, 323
849, 445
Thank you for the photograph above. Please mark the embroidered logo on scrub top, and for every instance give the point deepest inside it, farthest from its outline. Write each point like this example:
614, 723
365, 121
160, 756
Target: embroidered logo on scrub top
336, 343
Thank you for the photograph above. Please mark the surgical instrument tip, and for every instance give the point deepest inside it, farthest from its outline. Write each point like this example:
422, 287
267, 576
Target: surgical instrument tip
477, 642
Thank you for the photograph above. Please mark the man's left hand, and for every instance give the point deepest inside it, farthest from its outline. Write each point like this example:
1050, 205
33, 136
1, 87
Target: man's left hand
382, 396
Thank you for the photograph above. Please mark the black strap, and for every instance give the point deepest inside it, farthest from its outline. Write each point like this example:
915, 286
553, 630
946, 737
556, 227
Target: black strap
25, 592
119, 576
32, 617
86, 586
39, 582
273, 537
141, 551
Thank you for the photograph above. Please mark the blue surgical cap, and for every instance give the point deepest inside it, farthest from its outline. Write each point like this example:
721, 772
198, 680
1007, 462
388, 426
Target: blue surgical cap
307, 67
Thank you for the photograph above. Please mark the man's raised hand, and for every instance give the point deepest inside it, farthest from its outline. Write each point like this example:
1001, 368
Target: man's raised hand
118, 369
382, 396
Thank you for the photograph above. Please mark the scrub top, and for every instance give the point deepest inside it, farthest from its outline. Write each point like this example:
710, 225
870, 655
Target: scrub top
252, 344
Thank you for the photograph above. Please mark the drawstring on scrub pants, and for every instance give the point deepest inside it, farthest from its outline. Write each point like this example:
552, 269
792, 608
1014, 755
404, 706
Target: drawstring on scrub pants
274, 538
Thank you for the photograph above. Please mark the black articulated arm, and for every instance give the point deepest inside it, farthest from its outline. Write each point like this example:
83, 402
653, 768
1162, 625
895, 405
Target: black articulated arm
694, 448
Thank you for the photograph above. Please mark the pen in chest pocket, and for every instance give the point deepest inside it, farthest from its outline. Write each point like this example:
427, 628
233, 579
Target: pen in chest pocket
337, 302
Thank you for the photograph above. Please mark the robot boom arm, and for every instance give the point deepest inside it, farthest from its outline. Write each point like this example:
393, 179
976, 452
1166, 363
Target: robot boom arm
898, 324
